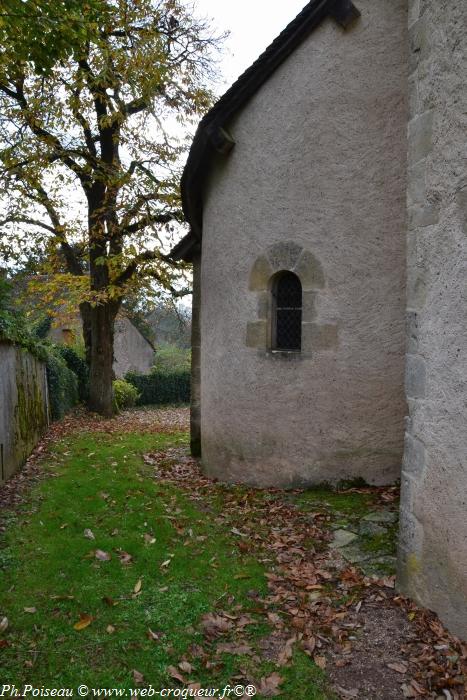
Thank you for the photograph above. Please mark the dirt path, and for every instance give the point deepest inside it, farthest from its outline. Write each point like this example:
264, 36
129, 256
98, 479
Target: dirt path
373, 643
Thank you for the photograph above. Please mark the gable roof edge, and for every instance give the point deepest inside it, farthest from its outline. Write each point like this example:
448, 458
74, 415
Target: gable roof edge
210, 137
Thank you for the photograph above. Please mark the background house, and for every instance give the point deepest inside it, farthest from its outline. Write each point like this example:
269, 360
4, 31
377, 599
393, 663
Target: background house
132, 351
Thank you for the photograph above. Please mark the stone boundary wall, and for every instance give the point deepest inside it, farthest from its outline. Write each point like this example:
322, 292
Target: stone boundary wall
433, 542
23, 406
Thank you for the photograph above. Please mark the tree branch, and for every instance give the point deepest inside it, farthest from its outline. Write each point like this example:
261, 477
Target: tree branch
148, 220
144, 257
42, 133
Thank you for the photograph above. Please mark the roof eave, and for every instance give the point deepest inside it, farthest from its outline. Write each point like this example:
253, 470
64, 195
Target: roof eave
211, 136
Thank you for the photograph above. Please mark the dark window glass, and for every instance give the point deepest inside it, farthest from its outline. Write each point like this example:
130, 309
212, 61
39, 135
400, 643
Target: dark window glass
287, 316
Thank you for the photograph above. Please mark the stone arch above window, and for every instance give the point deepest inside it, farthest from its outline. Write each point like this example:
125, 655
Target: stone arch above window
287, 256
281, 258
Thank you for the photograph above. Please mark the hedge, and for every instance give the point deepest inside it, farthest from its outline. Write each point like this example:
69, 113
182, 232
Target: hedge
63, 385
161, 388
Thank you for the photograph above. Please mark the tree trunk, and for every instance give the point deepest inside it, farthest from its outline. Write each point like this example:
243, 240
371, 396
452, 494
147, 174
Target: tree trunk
100, 370
101, 316
85, 311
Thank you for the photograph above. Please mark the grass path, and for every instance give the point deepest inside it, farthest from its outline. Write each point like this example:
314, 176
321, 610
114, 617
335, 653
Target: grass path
125, 567
143, 612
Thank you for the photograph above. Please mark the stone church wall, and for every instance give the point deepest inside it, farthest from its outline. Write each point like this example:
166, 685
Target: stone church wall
315, 184
433, 546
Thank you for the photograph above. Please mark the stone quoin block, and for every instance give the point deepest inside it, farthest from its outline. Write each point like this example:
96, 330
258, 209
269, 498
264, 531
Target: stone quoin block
260, 275
416, 185
256, 332
415, 377
420, 137
419, 217
310, 271
283, 256
414, 456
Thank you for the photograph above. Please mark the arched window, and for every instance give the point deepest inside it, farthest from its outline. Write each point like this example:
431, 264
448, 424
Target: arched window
286, 312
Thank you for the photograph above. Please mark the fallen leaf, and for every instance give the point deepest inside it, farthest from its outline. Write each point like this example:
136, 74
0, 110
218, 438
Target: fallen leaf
166, 563
320, 661
274, 618
89, 534
3, 624
125, 558
215, 625
4, 643
149, 539
309, 645
83, 622
110, 629
346, 692
232, 648
185, 666
235, 531
138, 586
102, 556
109, 601
30, 610
399, 667
286, 653
138, 677
268, 687
174, 673
154, 636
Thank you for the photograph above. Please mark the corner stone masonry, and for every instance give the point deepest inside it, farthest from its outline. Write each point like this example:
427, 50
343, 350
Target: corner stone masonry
433, 540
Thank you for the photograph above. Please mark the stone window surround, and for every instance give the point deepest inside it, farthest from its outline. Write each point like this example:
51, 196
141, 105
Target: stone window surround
289, 256
274, 283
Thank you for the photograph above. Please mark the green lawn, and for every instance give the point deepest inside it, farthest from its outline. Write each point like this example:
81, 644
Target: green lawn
51, 578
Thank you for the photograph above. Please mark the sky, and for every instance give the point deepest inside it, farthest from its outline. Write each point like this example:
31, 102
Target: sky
253, 24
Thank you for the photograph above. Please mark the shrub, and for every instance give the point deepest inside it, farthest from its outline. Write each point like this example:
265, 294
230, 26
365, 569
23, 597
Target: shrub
62, 383
78, 366
125, 394
161, 388
170, 358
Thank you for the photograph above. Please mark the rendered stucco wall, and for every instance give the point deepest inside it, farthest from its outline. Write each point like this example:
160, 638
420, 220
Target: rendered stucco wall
316, 180
23, 406
195, 401
433, 545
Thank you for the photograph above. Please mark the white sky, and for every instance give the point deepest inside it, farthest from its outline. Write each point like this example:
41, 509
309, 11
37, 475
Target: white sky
253, 24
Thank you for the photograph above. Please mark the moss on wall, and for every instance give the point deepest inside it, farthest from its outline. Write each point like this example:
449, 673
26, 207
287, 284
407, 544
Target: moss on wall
30, 410
24, 406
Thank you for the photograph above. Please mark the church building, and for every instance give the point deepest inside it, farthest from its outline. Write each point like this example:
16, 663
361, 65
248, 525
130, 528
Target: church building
326, 193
